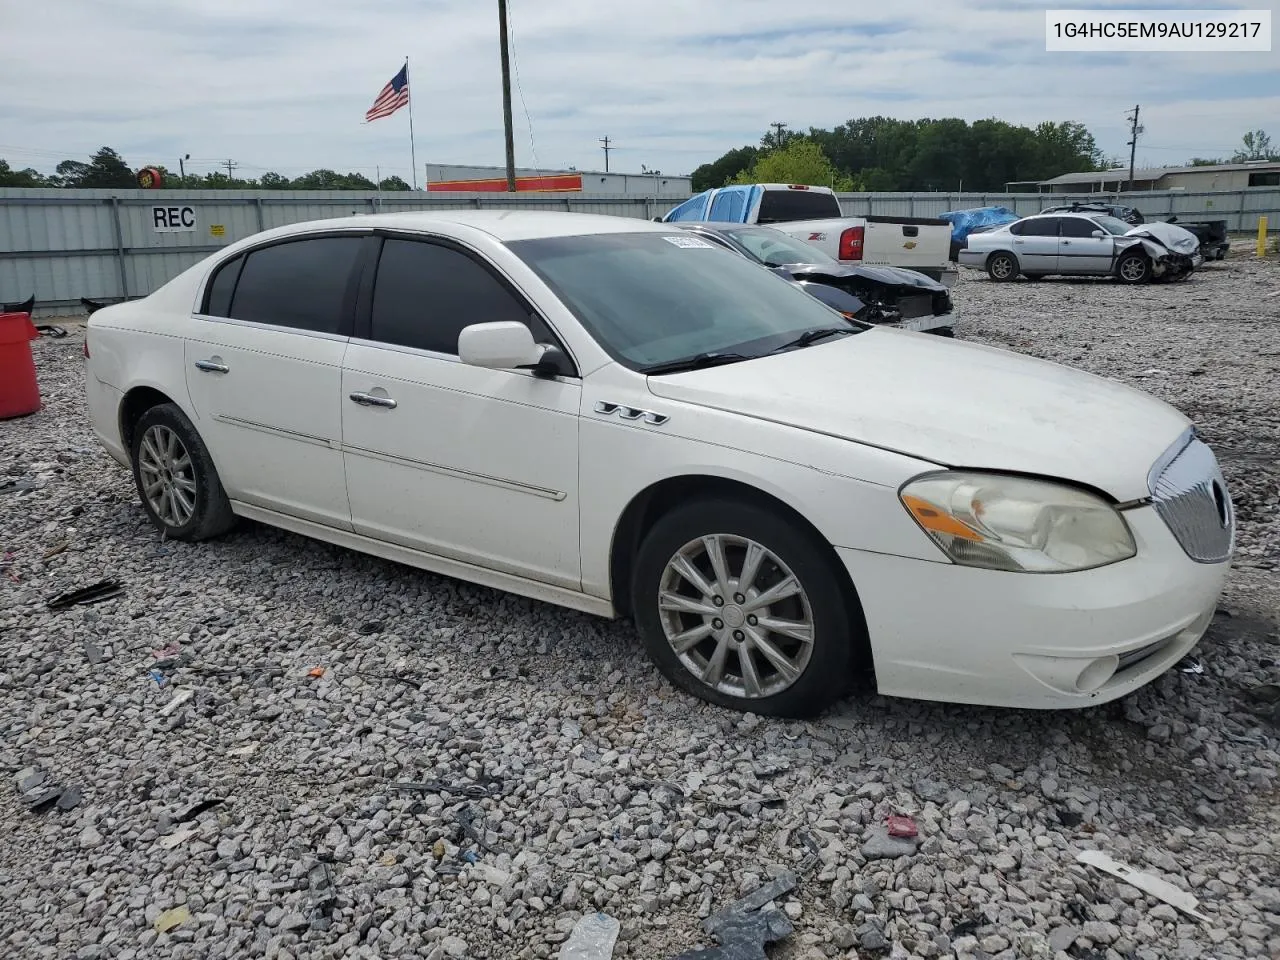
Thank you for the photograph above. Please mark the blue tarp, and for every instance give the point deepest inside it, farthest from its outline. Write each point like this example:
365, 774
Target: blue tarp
963, 221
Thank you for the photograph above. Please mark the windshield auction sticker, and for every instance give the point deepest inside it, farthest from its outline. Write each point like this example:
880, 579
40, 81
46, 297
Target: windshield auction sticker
1179, 31
689, 242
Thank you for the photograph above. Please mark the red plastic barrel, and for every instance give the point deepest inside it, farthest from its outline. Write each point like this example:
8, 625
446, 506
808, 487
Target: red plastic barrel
19, 392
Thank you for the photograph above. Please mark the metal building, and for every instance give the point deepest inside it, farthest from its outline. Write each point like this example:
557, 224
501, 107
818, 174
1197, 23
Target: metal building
455, 178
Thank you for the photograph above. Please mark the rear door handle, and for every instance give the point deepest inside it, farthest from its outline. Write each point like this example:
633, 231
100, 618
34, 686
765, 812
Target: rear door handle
212, 366
1066, 243
1019, 241
369, 400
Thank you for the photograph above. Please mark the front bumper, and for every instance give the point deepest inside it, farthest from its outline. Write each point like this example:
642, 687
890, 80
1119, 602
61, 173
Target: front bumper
944, 632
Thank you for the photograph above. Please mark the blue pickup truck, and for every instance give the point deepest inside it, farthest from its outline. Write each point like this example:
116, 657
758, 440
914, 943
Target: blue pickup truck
812, 214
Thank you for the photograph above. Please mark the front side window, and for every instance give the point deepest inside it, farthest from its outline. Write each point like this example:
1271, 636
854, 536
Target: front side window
426, 293
1113, 226
300, 283
650, 298
1078, 227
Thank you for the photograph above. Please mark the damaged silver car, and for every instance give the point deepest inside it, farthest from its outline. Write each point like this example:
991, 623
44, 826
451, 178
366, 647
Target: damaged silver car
1082, 244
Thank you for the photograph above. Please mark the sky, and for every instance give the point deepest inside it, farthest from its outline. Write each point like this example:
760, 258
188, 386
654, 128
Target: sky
283, 85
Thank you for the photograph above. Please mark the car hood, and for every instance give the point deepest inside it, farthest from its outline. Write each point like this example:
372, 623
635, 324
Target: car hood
1171, 235
888, 276
950, 402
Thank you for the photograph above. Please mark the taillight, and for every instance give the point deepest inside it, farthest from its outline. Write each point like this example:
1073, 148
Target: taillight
851, 243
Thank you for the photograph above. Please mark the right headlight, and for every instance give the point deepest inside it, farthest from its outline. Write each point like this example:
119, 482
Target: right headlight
1014, 523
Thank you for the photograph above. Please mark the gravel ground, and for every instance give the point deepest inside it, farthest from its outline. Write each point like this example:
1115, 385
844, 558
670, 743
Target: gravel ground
262, 807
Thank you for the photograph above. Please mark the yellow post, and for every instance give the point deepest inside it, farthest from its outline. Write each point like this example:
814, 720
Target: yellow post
1262, 236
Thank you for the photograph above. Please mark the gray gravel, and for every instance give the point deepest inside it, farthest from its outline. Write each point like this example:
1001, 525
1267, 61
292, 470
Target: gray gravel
264, 807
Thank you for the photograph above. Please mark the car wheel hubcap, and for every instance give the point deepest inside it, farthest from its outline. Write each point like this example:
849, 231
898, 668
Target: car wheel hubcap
1002, 267
168, 481
1132, 269
736, 616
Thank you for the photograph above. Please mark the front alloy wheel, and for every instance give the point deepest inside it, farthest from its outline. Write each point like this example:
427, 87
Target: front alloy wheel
736, 616
746, 608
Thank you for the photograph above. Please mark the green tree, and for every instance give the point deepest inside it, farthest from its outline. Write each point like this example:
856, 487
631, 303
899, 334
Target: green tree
274, 181
720, 172
107, 169
1256, 145
26, 177
393, 184
801, 161
1203, 162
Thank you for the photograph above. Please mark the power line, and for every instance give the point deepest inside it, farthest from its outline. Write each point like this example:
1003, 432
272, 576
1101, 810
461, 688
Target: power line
230, 165
515, 64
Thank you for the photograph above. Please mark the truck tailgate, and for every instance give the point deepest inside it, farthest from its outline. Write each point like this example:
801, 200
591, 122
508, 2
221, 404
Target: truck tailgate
917, 243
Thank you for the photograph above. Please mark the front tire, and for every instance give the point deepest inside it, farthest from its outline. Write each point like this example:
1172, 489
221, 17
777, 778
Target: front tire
743, 609
1133, 268
1002, 267
175, 477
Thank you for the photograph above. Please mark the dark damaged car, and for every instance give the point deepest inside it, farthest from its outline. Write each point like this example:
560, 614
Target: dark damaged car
882, 295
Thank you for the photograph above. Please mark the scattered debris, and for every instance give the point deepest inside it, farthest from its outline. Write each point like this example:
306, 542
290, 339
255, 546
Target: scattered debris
370, 628
194, 811
171, 918
248, 750
593, 938
899, 826
743, 937
176, 839
95, 593
158, 677
20, 486
490, 788
167, 653
815, 853
55, 550
1189, 665
1147, 883
764, 801
784, 883
439, 850
316, 672
467, 818
180, 696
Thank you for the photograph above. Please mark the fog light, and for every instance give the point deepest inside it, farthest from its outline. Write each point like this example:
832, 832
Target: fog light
1096, 674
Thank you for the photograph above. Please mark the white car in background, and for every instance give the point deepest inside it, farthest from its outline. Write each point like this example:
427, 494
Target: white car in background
1082, 244
618, 416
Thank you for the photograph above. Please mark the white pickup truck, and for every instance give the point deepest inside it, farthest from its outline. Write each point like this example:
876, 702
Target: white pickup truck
813, 214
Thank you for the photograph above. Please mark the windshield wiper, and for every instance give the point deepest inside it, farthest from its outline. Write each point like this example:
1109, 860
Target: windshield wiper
696, 362
813, 336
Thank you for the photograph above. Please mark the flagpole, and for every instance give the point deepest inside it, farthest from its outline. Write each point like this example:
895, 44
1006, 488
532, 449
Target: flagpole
413, 153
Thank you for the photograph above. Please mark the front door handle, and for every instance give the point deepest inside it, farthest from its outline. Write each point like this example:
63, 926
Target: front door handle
212, 366
1066, 243
369, 400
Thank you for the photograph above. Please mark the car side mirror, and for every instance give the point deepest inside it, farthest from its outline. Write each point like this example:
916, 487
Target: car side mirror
1099, 234
500, 345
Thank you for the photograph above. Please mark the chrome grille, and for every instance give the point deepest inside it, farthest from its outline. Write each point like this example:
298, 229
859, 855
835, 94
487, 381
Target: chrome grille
1190, 495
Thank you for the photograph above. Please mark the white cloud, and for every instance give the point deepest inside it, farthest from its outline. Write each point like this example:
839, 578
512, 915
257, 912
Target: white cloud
284, 85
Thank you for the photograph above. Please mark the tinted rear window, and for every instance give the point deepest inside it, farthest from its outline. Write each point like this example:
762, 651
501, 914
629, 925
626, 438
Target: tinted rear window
300, 284
781, 206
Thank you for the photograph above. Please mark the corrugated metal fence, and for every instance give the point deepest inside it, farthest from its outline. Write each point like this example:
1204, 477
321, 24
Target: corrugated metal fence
110, 244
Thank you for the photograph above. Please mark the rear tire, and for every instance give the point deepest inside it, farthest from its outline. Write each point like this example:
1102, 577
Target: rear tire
742, 638
1133, 268
175, 477
1002, 267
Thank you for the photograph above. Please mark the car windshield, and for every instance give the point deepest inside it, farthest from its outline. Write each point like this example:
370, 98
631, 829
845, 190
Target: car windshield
1112, 225
776, 248
653, 299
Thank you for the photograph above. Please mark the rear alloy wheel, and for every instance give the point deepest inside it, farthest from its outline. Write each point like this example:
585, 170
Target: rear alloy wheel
739, 608
175, 476
1002, 267
1133, 268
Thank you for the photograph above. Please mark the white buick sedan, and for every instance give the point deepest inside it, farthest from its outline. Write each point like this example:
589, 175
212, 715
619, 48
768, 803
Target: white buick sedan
621, 418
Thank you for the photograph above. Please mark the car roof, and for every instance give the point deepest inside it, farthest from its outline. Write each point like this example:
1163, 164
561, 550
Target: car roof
1058, 213
503, 225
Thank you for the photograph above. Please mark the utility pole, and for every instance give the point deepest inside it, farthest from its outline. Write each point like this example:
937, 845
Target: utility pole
1134, 130
777, 133
607, 148
506, 98
230, 165
182, 169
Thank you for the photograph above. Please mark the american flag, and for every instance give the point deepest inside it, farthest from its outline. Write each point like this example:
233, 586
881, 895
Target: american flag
393, 96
